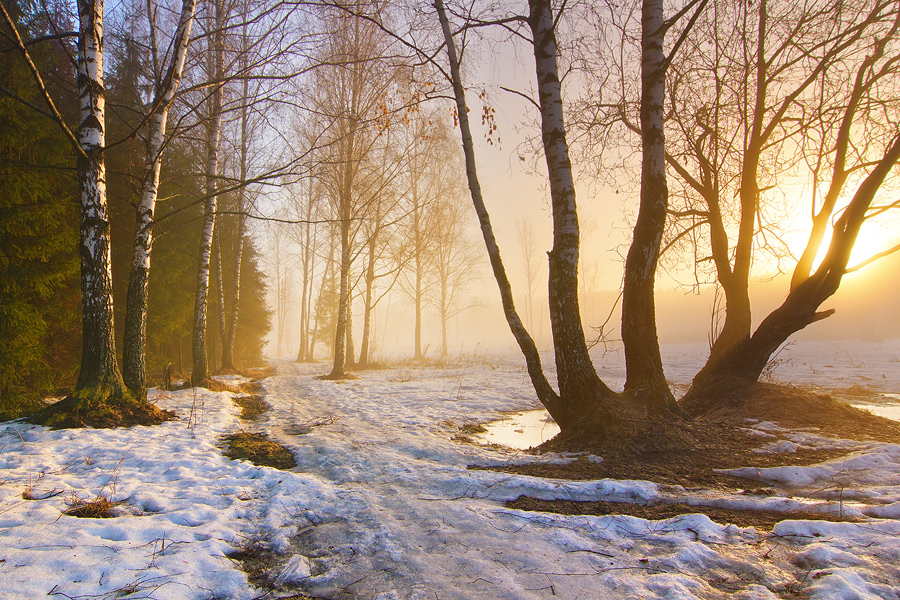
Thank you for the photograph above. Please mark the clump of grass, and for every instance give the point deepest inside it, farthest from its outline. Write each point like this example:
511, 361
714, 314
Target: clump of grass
473, 428
258, 449
96, 508
252, 407
31, 493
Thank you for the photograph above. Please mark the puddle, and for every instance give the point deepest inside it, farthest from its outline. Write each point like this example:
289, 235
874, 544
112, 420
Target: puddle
520, 430
888, 411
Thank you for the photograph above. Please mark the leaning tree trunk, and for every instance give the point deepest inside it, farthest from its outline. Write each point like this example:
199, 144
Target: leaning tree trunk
545, 393
200, 371
579, 385
134, 351
645, 379
99, 373
745, 362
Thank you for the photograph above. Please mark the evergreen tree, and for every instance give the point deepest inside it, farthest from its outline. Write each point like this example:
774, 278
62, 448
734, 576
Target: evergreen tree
39, 293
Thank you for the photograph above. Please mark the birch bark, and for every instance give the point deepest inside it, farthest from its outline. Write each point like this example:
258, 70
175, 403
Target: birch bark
99, 369
200, 370
135, 341
548, 397
579, 384
645, 379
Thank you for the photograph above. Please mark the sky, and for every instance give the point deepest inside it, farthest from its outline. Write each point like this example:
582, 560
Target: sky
515, 191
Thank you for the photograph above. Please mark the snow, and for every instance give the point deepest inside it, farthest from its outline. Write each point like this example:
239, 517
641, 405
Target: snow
383, 504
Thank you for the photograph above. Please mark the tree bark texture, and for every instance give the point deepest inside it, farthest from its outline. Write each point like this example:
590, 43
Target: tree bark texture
99, 369
134, 352
645, 379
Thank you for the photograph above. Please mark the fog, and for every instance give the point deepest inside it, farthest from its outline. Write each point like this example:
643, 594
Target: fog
865, 310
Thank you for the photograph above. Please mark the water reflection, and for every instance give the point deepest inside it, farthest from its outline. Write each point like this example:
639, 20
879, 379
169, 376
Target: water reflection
888, 411
520, 430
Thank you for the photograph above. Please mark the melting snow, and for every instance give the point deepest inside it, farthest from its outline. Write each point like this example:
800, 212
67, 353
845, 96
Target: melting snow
383, 505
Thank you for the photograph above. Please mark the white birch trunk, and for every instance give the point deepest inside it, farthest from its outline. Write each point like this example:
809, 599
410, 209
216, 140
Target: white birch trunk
200, 371
99, 369
134, 350
579, 385
545, 393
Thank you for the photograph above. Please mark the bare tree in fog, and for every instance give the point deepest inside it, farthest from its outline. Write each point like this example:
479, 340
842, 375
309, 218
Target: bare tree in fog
428, 179
305, 203
351, 92
454, 260
531, 268
280, 259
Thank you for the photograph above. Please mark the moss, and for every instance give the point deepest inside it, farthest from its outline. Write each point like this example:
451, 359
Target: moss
258, 449
101, 407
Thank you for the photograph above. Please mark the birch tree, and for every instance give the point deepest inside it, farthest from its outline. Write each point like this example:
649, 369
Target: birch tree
165, 86
213, 131
100, 382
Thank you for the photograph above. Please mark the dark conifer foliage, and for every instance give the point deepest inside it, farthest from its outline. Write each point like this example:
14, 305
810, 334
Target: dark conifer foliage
39, 293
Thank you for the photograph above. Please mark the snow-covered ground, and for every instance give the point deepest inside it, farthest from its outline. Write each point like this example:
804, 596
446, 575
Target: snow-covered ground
383, 506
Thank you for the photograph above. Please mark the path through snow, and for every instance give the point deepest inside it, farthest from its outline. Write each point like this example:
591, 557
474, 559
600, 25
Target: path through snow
383, 506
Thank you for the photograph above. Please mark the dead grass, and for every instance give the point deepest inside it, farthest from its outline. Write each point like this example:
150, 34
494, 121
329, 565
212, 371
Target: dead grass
761, 519
96, 508
252, 407
792, 407
258, 449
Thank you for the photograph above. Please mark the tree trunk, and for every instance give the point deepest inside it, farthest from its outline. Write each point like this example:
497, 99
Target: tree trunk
643, 364
547, 396
306, 295
579, 386
745, 362
200, 371
340, 356
220, 291
134, 351
99, 370
445, 310
418, 304
367, 315
350, 359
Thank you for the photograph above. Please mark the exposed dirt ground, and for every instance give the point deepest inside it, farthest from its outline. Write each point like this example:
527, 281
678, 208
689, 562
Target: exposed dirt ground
689, 452
761, 519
